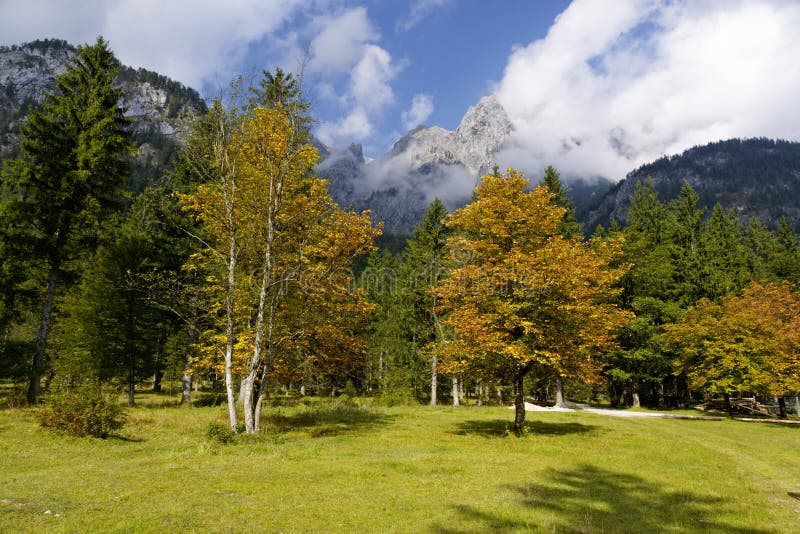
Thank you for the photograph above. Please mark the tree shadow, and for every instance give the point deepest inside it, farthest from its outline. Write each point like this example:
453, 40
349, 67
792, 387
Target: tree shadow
325, 420
502, 427
593, 499
126, 439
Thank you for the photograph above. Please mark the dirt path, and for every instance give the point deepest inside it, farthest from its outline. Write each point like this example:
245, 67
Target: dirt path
529, 407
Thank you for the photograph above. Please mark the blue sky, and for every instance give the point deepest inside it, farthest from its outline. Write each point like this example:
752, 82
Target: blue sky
455, 54
594, 87
450, 51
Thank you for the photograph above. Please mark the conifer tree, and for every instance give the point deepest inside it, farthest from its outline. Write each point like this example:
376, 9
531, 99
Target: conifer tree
74, 161
724, 259
284, 90
424, 264
569, 226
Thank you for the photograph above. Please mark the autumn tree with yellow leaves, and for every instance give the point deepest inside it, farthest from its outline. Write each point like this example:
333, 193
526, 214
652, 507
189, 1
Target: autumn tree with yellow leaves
521, 295
744, 343
274, 243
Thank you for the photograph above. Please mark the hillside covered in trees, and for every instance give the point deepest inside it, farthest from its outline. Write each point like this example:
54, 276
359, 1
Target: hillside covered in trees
755, 178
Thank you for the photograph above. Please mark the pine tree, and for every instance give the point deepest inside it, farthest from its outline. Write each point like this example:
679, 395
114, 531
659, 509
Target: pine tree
284, 90
724, 258
423, 266
684, 228
569, 226
74, 161
648, 292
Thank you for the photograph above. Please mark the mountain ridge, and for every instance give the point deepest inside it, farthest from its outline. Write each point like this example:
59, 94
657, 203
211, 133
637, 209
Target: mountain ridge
755, 177
161, 110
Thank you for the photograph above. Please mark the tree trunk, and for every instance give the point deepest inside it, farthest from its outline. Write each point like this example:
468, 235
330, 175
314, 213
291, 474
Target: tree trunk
519, 404
131, 387
635, 395
229, 339
158, 374
37, 364
455, 392
186, 386
782, 408
129, 352
434, 379
613, 393
560, 393
728, 406
797, 405
380, 371
499, 391
479, 392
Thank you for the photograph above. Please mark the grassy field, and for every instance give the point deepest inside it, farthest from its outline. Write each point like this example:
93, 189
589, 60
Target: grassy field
335, 468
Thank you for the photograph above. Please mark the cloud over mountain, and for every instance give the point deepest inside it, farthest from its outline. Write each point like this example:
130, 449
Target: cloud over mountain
610, 89
188, 41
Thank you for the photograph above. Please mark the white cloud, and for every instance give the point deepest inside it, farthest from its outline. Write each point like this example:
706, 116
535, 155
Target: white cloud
369, 80
355, 126
369, 93
421, 109
610, 89
188, 41
341, 40
420, 9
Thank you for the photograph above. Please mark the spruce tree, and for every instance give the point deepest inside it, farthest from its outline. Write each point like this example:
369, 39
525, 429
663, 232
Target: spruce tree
75, 157
423, 267
569, 226
284, 90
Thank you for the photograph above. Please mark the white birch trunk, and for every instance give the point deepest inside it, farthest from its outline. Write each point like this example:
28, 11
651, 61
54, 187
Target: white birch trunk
434, 379
560, 393
455, 392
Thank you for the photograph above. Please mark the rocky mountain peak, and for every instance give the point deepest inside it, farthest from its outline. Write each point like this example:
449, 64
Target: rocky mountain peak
482, 132
427, 162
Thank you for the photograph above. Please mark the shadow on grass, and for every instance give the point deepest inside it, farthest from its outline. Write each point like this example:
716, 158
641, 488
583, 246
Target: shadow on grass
324, 420
501, 427
593, 499
126, 439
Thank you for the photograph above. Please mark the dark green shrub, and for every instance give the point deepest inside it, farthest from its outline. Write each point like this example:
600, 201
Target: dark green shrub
219, 432
214, 398
85, 412
350, 389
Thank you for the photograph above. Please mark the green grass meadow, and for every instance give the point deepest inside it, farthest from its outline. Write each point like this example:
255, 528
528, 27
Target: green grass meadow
333, 467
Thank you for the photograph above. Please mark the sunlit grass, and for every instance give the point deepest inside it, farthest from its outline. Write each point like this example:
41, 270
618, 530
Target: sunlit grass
322, 467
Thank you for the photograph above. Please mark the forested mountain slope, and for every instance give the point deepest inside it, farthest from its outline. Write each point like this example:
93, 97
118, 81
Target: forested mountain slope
161, 109
754, 177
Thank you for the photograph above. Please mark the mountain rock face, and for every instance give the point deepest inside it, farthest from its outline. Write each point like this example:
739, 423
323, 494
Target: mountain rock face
754, 177
161, 110
426, 163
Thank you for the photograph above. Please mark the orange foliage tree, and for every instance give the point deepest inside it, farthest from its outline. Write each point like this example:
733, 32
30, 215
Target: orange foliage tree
744, 343
520, 295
